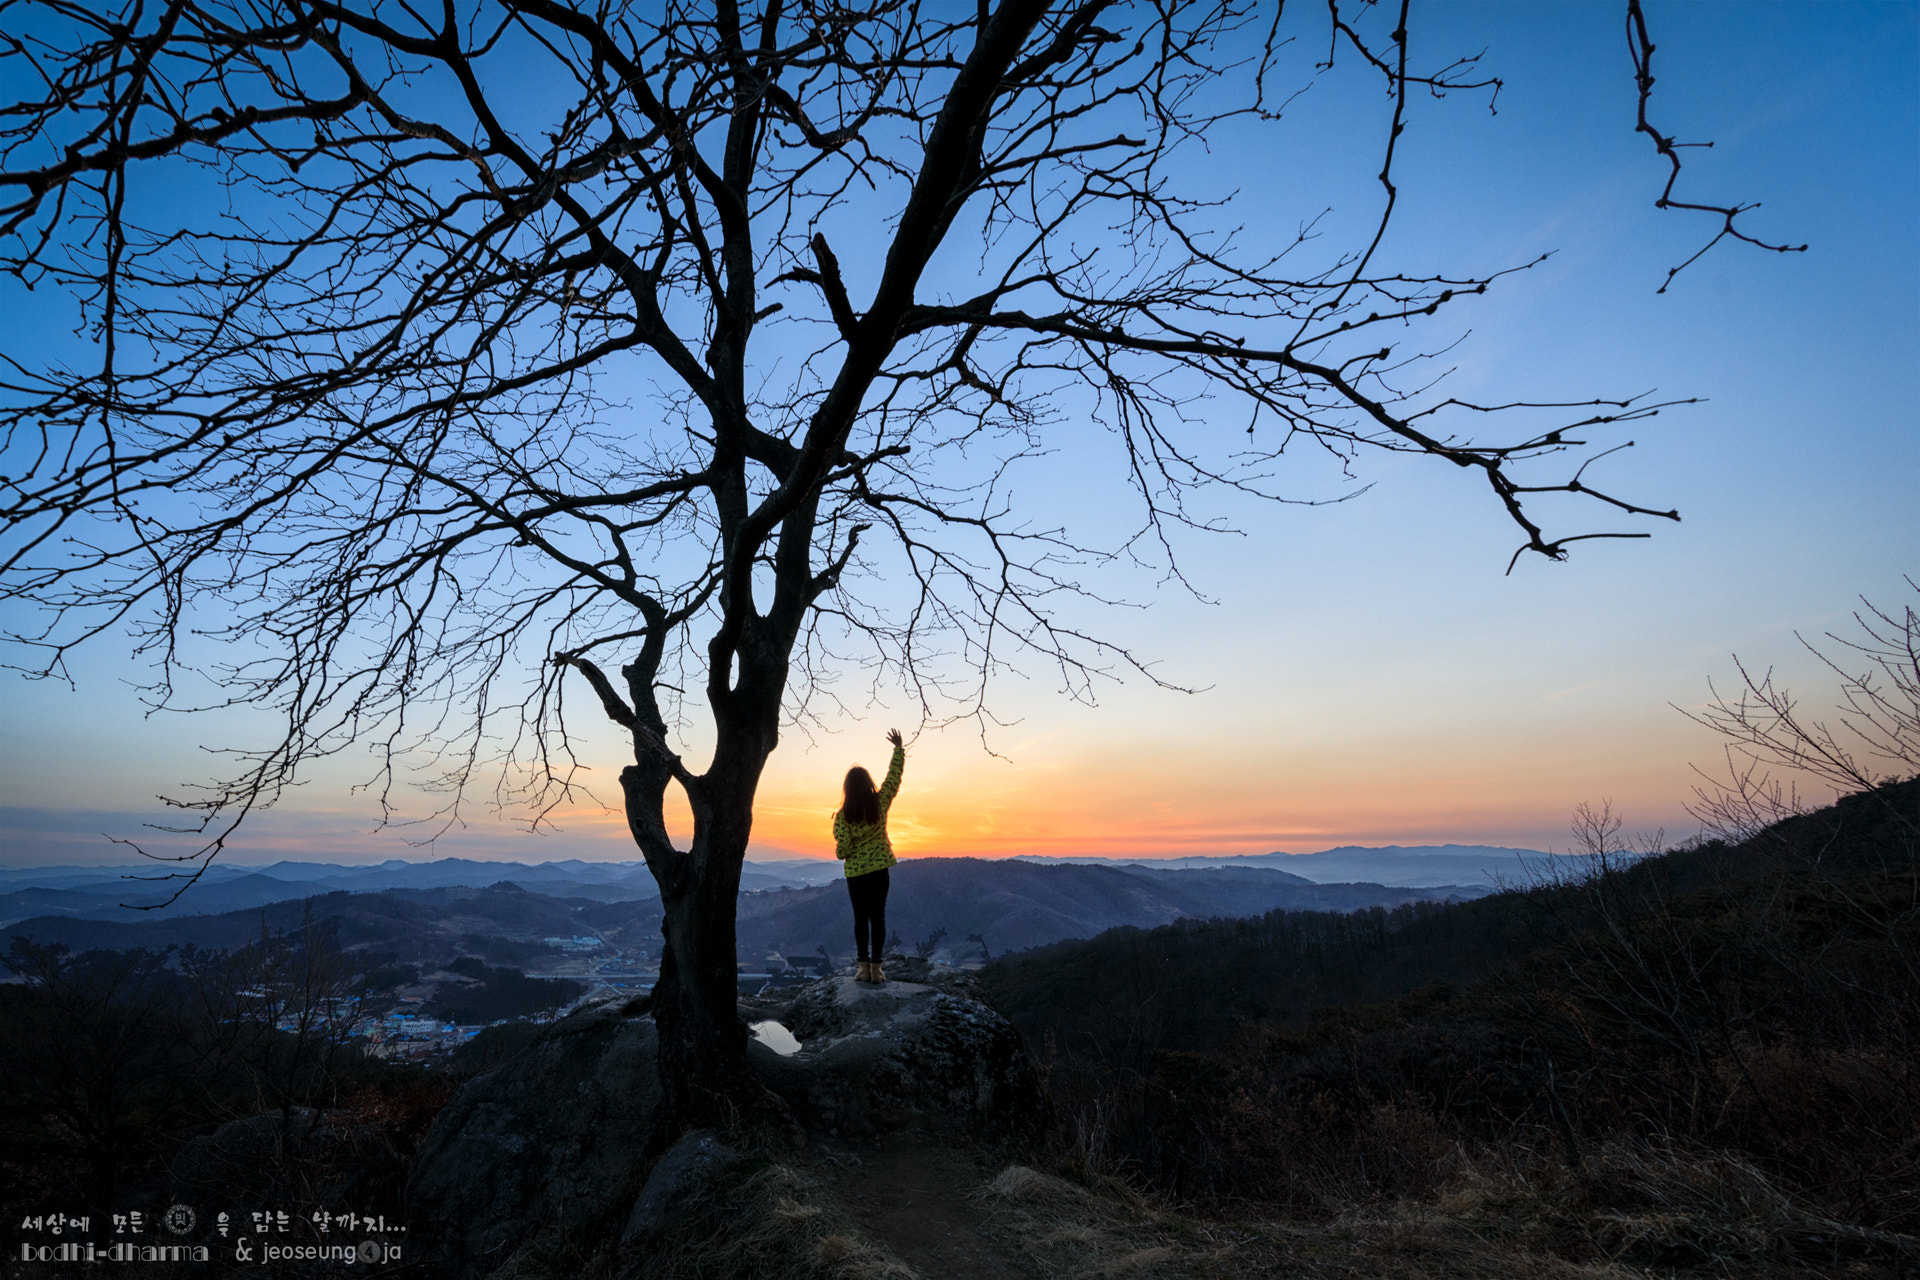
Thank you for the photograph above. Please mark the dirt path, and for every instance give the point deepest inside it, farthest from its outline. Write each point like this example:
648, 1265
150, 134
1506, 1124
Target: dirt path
915, 1195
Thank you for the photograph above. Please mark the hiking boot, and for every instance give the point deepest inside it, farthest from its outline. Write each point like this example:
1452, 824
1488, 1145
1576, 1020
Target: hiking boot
865, 972
876, 974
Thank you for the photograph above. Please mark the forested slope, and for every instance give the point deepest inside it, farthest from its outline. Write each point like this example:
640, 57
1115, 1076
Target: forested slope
1758, 1002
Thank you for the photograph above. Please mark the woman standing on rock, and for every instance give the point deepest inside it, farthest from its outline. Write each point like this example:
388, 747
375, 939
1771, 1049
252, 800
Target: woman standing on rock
860, 840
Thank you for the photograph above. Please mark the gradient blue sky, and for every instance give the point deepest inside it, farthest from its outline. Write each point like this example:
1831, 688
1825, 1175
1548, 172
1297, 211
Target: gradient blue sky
1370, 674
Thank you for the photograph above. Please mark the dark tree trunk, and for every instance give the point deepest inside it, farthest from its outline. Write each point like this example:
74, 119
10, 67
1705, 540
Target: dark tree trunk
705, 1081
703, 1043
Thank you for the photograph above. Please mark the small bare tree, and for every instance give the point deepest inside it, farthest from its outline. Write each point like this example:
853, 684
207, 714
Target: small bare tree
279, 1018
437, 346
1872, 739
299, 995
1596, 834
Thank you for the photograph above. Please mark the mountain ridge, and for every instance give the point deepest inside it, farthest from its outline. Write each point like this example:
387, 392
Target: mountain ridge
1413, 866
1012, 904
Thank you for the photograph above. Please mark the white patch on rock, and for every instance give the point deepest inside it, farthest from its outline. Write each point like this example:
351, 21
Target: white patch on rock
775, 1037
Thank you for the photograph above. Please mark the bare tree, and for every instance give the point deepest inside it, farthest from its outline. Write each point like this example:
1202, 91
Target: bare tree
297, 995
1871, 738
278, 1018
440, 346
1596, 836
1867, 747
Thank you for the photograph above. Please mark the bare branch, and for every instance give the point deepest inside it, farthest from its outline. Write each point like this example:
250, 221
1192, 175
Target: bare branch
1641, 46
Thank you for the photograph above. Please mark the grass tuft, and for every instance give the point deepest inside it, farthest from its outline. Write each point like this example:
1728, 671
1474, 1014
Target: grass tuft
1018, 1182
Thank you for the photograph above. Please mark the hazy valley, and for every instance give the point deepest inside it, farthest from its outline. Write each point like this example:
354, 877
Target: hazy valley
438, 911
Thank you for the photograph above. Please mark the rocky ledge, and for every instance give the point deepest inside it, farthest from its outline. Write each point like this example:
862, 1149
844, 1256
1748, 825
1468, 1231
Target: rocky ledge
906, 1054
545, 1151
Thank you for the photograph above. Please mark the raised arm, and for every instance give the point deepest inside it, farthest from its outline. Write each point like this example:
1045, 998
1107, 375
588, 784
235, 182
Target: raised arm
891, 787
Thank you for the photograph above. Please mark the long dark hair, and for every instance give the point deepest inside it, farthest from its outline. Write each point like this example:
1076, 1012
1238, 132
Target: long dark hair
862, 802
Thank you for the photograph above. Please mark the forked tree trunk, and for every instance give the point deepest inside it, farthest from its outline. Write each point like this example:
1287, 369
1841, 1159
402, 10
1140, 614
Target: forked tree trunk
704, 1077
703, 1043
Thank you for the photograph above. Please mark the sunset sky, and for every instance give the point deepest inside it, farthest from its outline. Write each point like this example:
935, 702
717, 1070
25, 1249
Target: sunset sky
1367, 673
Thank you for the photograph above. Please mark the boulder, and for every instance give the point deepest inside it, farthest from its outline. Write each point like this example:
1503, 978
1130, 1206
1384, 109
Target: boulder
242, 1161
901, 1055
551, 1141
544, 1152
688, 1168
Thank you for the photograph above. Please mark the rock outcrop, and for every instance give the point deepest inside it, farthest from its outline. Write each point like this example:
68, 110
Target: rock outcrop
906, 1054
548, 1144
545, 1152
682, 1173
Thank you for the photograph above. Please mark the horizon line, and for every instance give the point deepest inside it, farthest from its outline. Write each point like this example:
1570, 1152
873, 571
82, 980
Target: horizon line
789, 856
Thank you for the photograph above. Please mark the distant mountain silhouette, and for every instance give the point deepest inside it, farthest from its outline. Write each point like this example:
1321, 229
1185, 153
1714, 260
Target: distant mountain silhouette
412, 924
126, 894
1015, 904
1012, 904
1407, 866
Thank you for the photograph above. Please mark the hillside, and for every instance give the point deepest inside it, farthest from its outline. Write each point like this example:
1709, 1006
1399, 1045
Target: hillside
1298, 960
1737, 1008
409, 924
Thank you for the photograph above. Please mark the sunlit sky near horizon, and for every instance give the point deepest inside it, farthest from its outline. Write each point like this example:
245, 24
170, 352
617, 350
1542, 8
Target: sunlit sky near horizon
1367, 672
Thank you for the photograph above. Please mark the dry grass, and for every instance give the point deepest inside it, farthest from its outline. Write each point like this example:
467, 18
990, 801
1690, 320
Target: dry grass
1019, 1183
1629, 1214
1147, 1261
1665, 1208
779, 1224
1095, 1228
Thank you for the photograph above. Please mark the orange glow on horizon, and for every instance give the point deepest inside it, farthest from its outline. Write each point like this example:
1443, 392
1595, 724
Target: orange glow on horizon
954, 805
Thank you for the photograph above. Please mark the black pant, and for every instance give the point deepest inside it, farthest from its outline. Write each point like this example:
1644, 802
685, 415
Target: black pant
869, 895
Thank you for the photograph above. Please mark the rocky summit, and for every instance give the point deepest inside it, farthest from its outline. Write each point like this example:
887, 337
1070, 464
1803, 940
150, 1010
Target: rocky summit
546, 1151
875, 1059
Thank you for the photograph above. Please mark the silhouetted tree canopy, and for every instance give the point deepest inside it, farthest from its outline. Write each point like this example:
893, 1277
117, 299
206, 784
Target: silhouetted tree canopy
694, 348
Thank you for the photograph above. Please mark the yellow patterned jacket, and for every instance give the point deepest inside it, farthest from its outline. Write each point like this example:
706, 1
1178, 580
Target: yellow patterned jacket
864, 846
